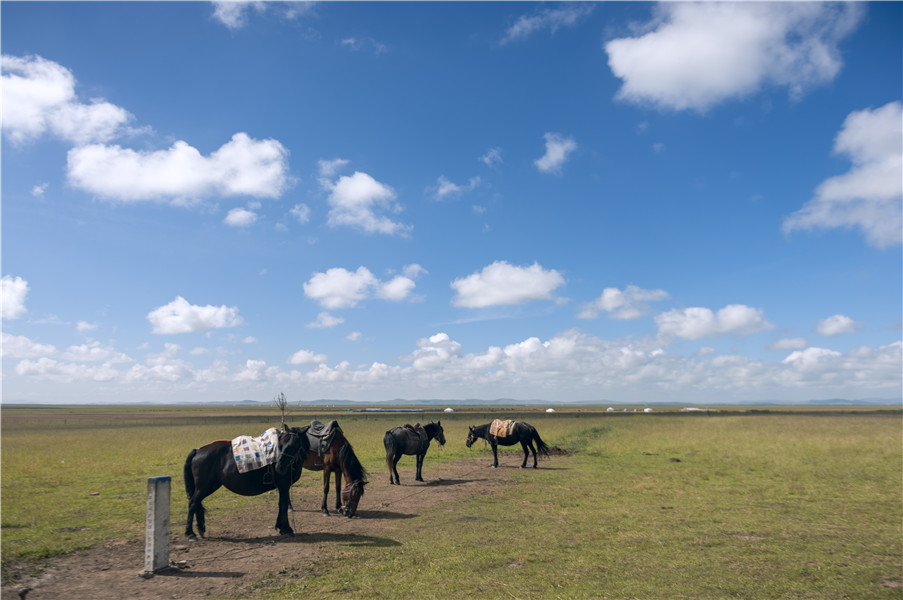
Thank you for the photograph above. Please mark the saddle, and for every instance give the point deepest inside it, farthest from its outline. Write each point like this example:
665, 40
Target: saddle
500, 428
416, 433
320, 435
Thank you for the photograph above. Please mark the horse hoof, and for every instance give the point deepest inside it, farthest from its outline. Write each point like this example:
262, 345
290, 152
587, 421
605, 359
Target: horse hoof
192, 538
288, 533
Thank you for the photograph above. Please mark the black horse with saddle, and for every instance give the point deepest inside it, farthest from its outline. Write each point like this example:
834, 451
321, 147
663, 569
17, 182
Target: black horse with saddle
411, 440
508, 433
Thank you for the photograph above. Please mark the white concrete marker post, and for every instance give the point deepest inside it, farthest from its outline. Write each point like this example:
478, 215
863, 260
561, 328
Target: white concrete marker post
156, 544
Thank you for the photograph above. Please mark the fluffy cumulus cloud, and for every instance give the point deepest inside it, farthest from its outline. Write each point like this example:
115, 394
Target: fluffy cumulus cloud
698, 322
340, 288
13, 291
502, 284
569, 364
39, 97
836, 325
629, 303
179, 316
325, 320
241, 167
306, 357
19, 346
558, 149
869, 196
549, 19
696, 55
359, 201
240, 217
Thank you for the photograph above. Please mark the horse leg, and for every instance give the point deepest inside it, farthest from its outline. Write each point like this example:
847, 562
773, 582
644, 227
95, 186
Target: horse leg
338, 491
526, 455
420, 466
390, 456
533, 450
495, 455
326, 474
395, 467
282, 518
197, 511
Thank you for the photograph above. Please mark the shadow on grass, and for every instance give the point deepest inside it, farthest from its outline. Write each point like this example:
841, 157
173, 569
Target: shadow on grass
197, 574
348, 539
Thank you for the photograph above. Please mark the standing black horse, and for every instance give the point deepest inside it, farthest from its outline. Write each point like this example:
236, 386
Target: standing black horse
410, 440
211, 466
522, 432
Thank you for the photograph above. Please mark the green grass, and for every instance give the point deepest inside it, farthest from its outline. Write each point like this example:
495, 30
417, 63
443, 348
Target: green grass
779, 505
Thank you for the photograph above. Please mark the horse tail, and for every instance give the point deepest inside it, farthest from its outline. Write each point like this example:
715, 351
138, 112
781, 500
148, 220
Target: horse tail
389, 443
189, 476
356, 470
541, 446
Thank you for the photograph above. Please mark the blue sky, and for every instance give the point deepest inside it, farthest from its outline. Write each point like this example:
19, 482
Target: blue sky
623, 202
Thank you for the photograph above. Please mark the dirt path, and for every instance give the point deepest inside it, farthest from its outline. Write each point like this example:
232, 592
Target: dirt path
242, 550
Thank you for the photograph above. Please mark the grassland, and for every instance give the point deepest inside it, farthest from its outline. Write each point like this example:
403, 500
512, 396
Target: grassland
778, 504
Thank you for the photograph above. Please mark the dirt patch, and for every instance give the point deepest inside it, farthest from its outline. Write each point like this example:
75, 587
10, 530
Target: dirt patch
242, 550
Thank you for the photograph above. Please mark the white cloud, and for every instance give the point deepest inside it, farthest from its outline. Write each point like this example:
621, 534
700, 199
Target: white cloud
240, 217
695, 55
17, 346
181, 317
359, 44
789, 344
810, 358
84, 326
13, 291
397, 289
356, 200
492, 157
39, 190
94, 352
232, 13
558, 148
340, 288
550, 19
39, 97
502, 284
325, 321
627, 304
869, 196
445, 188
66, 372
306, 357
330, 168
697, 322
837, 325
301, 212
242, 166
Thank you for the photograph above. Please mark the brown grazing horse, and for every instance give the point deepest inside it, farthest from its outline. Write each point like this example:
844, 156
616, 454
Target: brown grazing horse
209, 467
340, 460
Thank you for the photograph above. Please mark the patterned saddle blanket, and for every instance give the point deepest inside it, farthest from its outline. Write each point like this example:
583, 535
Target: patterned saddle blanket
255, 452
500, 428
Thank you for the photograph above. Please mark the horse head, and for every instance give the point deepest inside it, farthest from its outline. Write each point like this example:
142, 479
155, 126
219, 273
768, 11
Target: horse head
440, 433
471, 437
293, 443
351, 496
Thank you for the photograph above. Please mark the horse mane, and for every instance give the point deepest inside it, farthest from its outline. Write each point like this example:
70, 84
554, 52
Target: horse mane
356, 471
